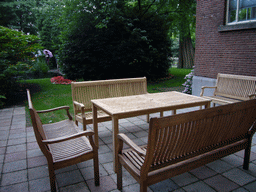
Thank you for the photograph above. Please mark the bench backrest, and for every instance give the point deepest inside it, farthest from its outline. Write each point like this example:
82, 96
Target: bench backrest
186, 135
84, 92
235, 86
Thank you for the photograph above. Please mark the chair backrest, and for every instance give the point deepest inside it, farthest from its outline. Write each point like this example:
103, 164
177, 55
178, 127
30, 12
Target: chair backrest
84, 92
235, 86
182, 136
36, 121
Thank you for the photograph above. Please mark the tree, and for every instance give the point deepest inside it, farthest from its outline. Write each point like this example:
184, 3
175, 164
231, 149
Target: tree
114, 40
181, 13
16, 55
18, 14
187, 10
48, 13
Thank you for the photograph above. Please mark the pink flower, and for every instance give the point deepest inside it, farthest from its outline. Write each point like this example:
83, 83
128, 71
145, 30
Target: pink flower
60, 80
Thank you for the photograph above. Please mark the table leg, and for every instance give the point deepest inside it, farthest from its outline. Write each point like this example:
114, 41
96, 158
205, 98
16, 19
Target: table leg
115, 142
95, 125
208, 105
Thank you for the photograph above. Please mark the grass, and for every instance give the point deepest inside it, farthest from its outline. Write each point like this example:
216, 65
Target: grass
176, 81
55, 95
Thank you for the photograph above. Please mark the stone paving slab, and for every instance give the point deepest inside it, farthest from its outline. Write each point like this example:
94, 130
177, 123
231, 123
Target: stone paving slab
24, 168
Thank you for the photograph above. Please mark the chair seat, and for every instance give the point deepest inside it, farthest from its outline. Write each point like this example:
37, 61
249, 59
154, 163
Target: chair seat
70, 149
67, 149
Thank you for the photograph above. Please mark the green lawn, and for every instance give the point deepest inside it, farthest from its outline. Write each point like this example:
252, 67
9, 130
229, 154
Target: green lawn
53, 95
176, 81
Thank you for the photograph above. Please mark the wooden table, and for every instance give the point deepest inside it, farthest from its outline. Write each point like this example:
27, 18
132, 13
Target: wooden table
130, 106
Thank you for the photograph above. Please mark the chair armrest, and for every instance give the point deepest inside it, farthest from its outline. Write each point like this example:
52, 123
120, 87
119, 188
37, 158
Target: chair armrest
57, 108
65, 138
252, 95
204, 87
122, 137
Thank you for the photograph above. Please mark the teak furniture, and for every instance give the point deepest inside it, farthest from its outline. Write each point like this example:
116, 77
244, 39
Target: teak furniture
63, 143
130, 106
180, 143
84, 92
232, 88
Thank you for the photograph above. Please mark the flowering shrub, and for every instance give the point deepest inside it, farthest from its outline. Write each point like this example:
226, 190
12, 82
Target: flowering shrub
60, 80
188, 83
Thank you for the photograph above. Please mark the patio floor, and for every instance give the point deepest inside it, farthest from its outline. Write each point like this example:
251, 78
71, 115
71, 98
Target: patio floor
24, 168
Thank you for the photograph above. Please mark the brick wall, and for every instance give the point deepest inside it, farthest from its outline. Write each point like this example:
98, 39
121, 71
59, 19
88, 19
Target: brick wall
232, 51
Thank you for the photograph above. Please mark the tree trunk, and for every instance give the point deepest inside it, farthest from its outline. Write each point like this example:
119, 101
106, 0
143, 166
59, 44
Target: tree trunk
186, 53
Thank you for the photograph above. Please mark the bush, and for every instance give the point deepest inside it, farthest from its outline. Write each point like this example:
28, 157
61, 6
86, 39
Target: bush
40, 68
16, 56
127, 47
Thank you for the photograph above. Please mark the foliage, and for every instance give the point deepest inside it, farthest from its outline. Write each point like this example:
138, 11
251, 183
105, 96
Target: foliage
1, 102
16, 56
188, 83
18, 14
127, 41
40, 68
48, 14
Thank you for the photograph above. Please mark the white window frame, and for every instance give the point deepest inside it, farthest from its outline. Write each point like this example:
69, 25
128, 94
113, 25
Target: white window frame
237, 15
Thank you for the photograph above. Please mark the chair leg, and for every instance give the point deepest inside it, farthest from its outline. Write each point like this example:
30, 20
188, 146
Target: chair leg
96, 170
143, 187
52, 179
147, 118
119, 176
247, 153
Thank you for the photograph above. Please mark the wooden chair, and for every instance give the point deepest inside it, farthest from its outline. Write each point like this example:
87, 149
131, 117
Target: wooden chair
63, 143
180, 143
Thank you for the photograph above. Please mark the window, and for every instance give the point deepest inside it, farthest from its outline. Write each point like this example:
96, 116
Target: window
241, 11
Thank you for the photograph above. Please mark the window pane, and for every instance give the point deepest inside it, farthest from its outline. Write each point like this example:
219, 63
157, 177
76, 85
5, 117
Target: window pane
242, 14
232, 11
253, 14
232, 5
247, 3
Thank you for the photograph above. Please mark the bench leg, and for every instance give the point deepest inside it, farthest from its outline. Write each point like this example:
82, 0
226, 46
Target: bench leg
247, 153
143, 186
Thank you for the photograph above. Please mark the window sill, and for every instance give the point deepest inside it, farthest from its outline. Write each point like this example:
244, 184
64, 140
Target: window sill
223, 28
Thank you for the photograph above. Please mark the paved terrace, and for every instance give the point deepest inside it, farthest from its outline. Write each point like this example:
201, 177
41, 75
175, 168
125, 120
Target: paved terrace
24, 168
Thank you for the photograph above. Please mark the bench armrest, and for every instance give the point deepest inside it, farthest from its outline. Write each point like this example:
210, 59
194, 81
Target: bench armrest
123, 138
65, 138
77, 104
204, 87
57, 108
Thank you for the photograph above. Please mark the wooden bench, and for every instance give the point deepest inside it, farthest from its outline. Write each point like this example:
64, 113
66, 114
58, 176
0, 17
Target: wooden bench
63, 143
180, 143
84, 92
232, 88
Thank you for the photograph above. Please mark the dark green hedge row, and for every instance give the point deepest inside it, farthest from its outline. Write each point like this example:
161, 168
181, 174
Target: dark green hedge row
130, 46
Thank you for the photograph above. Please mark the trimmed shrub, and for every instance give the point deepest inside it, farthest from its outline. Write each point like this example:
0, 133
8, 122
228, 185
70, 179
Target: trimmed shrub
129, 46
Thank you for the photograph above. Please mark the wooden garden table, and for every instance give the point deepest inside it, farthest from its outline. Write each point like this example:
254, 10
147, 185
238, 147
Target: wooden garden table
130, 106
